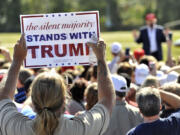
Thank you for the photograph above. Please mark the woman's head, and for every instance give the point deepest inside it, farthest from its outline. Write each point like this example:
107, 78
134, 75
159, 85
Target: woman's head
48, 97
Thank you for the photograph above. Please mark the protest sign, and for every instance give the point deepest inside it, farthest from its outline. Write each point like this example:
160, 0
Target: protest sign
59, 39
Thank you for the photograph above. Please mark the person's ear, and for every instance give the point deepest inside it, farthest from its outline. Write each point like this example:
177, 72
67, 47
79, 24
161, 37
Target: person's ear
160, 107
155, 21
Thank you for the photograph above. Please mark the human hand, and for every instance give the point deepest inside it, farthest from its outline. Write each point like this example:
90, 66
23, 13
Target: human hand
134, 34
168, 34
20, 50
166, 31
6, 54
152, 68
98, 49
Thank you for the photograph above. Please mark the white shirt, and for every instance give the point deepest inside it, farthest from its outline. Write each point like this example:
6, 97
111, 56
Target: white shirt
113, 65
152, 39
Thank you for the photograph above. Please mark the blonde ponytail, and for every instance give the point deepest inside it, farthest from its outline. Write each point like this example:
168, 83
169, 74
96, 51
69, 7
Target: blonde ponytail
48, 97
47, 123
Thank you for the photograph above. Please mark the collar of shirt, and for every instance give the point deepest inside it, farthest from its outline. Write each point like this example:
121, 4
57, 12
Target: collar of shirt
151, 28
152, 38
120, 102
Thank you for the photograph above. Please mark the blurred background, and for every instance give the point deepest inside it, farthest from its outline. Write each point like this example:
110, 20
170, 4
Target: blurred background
114, 14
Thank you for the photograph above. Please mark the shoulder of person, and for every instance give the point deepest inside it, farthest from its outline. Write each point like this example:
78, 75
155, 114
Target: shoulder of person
159, 27
131, 131
133, 110
138, 129
132, 107
143, 28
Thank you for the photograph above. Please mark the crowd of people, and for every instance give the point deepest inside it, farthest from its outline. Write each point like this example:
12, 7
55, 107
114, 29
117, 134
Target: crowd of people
134, 94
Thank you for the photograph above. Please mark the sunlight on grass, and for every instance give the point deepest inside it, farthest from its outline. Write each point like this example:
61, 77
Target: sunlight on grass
124, 37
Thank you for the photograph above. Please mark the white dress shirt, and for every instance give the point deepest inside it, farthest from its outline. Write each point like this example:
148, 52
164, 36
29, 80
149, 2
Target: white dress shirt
152, 39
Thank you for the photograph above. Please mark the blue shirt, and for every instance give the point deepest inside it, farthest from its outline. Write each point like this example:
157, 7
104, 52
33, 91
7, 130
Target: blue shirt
166, 126
28, 111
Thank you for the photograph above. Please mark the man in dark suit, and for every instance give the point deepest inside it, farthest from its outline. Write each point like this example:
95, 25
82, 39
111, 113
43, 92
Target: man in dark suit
151, 36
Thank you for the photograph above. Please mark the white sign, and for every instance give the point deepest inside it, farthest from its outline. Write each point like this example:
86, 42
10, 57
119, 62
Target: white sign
59, 39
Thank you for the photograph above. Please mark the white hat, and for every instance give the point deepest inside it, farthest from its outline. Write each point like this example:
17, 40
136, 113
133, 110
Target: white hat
163, 79
119, 83
172, 76
116, 47
159, 74
141, 73
164, 68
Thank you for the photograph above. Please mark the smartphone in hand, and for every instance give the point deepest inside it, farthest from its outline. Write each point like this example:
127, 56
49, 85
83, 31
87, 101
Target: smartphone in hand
152, 68
127, 51
170, 35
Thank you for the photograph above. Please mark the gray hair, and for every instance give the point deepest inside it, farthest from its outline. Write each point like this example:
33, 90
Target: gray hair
151, 81
149, 101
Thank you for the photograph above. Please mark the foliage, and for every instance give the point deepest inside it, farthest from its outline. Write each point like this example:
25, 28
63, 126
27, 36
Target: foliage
168, 11
9, 15
114, 14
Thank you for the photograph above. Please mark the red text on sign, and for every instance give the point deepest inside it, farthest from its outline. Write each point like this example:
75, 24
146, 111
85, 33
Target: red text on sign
54, 51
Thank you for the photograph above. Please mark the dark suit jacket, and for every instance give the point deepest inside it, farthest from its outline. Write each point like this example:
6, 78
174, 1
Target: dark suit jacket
144, 38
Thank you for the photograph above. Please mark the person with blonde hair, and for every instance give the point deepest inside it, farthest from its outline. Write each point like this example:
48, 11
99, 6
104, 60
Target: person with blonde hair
151, 81
48, 98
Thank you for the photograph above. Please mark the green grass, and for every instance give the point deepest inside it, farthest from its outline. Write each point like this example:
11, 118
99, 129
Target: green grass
8, 40
124, 37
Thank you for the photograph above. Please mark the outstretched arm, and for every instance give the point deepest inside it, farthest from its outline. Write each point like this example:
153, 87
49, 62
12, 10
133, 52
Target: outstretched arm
106, 92
175, 68
20, 52
170, 98
169, 61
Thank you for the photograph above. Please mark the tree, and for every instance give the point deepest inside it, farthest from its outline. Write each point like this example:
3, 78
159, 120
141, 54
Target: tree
168, 11
9, 12
115, 14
